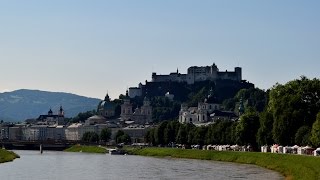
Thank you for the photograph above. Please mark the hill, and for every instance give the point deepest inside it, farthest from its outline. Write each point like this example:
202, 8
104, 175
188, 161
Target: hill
22, 104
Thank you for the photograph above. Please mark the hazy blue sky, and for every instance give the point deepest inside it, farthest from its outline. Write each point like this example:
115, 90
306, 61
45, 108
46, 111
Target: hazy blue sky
91, 47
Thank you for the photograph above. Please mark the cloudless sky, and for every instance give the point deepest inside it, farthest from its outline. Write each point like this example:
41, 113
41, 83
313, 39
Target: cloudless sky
93, 47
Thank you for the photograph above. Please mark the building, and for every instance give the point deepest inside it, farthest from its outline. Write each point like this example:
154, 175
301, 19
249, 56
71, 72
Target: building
140, 115
42, 132
200, 114
52, 119
202, 73
135, 91
207, 111
106, 108
75, 131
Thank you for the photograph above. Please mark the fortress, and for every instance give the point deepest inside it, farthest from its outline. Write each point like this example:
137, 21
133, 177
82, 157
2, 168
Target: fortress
194, 74
197, 74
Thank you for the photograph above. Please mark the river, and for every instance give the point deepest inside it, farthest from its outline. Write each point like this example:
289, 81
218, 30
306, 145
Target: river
55, 165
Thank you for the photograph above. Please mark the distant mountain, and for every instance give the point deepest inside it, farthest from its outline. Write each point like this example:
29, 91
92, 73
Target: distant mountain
23, 104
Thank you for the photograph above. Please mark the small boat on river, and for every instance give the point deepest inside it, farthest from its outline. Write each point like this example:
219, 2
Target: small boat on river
116, 152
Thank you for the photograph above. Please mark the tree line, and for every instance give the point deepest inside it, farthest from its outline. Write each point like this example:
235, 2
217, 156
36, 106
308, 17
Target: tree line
286, 114
105, 136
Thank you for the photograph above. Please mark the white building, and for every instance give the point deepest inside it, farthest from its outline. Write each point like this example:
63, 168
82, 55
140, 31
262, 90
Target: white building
200, 114
141, 115
75, 131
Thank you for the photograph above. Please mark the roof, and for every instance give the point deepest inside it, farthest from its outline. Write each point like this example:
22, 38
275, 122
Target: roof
75, 125
95, 117
42, 117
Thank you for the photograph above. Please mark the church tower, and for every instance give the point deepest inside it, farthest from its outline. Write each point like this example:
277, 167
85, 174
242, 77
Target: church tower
50, 113
146, 110
126, 108
61, 111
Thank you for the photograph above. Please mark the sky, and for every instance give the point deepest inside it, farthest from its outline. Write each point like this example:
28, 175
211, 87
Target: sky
96, 47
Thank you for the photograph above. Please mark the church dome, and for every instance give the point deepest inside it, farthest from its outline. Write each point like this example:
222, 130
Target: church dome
106, 105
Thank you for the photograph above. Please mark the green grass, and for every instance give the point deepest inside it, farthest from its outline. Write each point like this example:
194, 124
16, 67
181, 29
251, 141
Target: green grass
291, 166
86, 149
7, 156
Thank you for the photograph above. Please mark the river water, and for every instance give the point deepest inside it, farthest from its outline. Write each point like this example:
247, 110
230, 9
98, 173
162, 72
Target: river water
53, 165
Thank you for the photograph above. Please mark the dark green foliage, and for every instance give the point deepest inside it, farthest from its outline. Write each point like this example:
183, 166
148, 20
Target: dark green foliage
222, 132
164, 109
303, 135
247, 128
315, 132
81, 117
264, 135
105, 135
122, 137
182, 135
90, 137
293, 105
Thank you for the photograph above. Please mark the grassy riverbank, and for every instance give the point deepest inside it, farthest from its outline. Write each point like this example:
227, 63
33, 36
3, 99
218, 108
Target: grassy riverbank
7, 156
291, 166
86, 149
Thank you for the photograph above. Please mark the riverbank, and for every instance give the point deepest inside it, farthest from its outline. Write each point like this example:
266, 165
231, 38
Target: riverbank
86, 149
7, 156
291, 166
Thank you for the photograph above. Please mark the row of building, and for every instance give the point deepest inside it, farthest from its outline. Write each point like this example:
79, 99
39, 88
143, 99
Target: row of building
54, 127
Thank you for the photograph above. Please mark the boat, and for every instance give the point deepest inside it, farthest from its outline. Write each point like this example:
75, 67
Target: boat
116, 152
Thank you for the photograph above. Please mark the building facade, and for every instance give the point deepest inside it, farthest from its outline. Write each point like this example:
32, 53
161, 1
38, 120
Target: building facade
140, 115
52, 119
200, 114
106, 108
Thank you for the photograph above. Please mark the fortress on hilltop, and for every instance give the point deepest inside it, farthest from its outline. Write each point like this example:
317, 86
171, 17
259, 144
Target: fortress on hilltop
175, 82
202, 73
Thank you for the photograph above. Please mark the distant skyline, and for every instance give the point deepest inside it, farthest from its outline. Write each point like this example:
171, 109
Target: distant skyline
94, 47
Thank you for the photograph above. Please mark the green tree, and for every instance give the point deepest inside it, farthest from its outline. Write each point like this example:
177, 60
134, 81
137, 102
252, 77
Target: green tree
247, 128
182, 135
122, 137
303, 135
81, 117
105, 134
159, 133
90, 137
315, 132
293, 105
264, 135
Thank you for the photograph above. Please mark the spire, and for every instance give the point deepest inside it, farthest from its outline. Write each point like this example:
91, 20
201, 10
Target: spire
177, 71
61, 111
50, 112
107, 98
